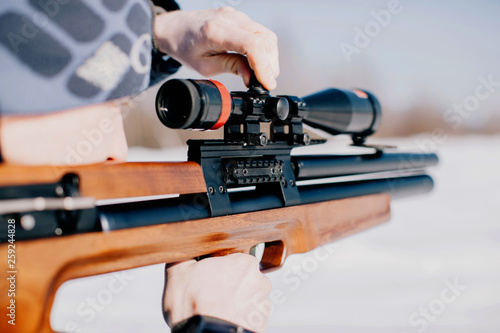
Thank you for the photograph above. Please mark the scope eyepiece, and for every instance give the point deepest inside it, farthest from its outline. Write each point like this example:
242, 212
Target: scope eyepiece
193, 104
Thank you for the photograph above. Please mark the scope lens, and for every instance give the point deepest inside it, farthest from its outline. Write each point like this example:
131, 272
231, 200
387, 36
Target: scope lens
178, 104
193, 104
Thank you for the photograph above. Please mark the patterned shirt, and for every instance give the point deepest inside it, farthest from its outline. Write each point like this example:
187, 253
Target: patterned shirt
60, 54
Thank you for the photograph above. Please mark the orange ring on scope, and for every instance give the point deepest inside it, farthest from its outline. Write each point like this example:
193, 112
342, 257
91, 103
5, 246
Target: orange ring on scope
226, 105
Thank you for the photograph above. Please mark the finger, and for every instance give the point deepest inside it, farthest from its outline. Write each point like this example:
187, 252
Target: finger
270, 42
271, 45
226, 63
253, 46
270, 38
249, 44
263, 68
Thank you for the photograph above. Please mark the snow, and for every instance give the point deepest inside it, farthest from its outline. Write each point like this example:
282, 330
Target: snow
435, 267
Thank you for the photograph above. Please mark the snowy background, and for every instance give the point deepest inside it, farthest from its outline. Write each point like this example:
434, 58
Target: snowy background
375, 281
435, 267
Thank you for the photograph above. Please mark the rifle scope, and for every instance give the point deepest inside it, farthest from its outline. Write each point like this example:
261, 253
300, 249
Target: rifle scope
208, 105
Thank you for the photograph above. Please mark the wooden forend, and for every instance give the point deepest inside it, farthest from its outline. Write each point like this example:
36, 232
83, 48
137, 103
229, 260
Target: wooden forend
44, 264
114, 180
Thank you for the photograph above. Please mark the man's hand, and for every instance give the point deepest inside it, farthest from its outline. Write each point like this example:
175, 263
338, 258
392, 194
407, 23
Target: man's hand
231, 288
216, 41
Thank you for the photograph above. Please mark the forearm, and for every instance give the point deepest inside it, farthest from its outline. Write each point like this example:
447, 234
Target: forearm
84, 135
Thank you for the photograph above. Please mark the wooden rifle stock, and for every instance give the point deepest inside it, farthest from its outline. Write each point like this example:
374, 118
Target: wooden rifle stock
114, 180
44, 264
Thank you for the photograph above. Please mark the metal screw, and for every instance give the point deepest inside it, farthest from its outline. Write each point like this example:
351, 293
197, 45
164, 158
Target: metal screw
258, 139
221, 189
211, 190
59, 191
28, 222
292, 183
263, 139
283, 182
306, 139
58, 231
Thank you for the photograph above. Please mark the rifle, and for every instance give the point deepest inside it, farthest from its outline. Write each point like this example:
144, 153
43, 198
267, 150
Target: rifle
231, 195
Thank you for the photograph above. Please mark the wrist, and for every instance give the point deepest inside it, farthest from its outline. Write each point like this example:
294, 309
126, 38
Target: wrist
165, 31
157, 10
162, 64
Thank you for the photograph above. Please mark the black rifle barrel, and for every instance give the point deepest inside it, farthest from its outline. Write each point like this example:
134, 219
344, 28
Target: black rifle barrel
323, 166
123, 216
